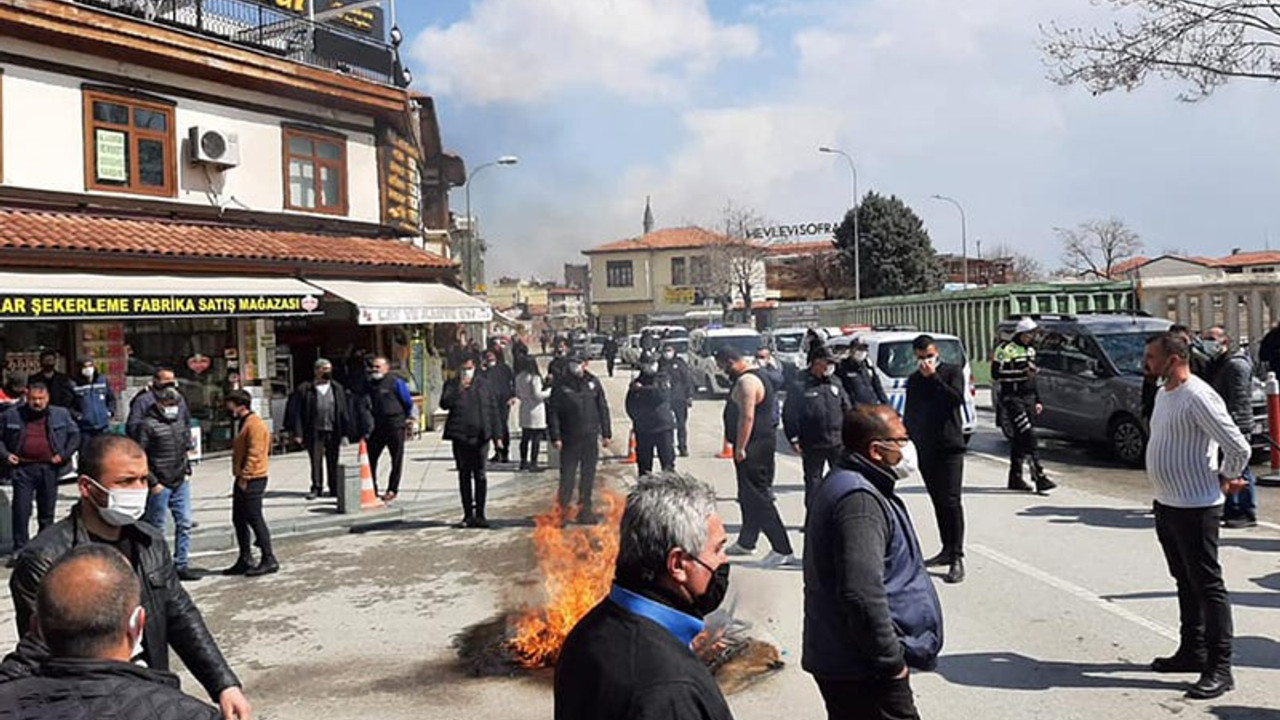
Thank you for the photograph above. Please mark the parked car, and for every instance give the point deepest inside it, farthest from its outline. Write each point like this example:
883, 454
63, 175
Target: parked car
703, 345
787, 345
594, 345
629, 351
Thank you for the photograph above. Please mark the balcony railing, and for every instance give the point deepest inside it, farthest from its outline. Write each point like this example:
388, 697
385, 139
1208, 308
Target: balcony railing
261, 26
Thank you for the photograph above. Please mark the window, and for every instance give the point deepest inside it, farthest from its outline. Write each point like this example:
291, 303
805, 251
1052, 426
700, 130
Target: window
700, 270
129, 145
315, 170
618, 273
677, 271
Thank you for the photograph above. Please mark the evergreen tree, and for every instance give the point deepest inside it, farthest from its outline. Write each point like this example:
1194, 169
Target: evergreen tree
897, 255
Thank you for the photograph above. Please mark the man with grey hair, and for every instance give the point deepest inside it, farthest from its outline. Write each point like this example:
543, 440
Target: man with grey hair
318, 416
630, 657
89, 615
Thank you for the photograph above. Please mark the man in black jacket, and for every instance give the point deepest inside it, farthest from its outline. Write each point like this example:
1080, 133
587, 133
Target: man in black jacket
631, 656
578, 416
473, 421
870, 610
1230, 372
500, 381
90, 620
812, 417
649, 407
559, 365
388, 417
62, 389
677, 371
318, 417
165, 440
113, 491
37, 440
861, 381
935, 395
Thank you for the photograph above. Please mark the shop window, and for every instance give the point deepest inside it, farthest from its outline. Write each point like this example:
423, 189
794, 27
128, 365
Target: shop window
678, 271
315, 170
129, 144
618, 273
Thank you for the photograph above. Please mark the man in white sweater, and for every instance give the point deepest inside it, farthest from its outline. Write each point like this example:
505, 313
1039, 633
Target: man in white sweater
1189, 425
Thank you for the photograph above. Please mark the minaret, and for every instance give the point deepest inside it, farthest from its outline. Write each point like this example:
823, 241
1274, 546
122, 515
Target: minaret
648, 216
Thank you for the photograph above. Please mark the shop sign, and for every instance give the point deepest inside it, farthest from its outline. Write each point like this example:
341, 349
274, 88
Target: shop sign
31, 306
781, 232
401, 183
677, 295
366, 20
110, 156
422, 314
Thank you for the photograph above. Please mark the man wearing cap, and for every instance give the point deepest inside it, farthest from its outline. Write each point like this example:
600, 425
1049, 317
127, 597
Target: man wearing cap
859, 377
578, 415
319, 417
813, 415
649, 407
1013, 368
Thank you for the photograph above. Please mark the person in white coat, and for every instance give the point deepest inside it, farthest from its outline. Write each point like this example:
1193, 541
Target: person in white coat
533, 411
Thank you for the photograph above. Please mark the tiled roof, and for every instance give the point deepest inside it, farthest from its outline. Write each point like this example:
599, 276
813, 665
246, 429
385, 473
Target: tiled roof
802, 248
1262, 257
1125, 266
667, 239
152, 238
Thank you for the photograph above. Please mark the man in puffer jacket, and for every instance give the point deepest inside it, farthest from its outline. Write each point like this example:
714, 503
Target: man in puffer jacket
95, 404
165, 438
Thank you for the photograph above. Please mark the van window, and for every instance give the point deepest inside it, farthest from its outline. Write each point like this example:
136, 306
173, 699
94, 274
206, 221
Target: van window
1125, 350
788, 343
746, 344
898, 359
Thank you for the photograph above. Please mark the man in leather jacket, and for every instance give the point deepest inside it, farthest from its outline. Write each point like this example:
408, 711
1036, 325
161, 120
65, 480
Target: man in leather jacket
1230, 372
113, 465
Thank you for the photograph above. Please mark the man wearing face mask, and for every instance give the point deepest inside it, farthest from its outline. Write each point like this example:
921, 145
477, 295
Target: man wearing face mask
318, 416
391, 415
649, 407
681, 378
935, 396
89, 616
500, 382
578, 417
812, 417
142, 402
559, 365
1013, 367
36, 443
165, 441
95, 404
62, 390
1230, 372
113, 497
860, 379
871, 613
473, 421
631, 656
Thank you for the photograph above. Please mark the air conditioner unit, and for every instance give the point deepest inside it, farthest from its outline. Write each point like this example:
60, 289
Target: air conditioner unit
214, 147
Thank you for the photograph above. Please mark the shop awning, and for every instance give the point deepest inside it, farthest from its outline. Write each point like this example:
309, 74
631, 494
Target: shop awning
83, 296
397, 303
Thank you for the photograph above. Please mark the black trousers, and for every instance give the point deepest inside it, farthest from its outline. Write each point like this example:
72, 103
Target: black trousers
246, 515
578, 460
503, 454
647, 443
755, 496
1016, 414
681, 409
38, 481
943, 474
868, 699
392, 439
324, 449
817, 462
530, 445
1189, 538
609, 361
473, 482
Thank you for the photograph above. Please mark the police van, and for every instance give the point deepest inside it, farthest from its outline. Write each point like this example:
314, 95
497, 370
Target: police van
894, 359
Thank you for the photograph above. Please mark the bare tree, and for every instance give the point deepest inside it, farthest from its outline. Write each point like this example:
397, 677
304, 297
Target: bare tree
1097, 246
1203, 43
737, 262
1022, 267
827, 272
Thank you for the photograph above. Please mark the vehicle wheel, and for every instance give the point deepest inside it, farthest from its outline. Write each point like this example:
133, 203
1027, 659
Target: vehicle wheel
1004, 430
1128, 440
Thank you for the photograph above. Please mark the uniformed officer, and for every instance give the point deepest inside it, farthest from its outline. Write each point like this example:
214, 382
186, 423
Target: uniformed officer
649, 407
578, 417
681, 378
813, 416
860, 379
1013, 368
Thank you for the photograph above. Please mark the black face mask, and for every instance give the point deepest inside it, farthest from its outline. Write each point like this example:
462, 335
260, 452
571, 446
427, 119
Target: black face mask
709, 601
38, 413
166, 385
326, 375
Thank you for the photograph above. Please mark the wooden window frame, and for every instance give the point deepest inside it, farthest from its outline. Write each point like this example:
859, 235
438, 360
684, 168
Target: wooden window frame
288, 132
617, 271
167, 138
683, 264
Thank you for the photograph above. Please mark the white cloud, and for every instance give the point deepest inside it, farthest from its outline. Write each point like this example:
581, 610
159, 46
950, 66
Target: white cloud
530, 50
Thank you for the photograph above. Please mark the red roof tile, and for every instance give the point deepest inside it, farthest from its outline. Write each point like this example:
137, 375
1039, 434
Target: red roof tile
1261, 257
667, 239
152, 238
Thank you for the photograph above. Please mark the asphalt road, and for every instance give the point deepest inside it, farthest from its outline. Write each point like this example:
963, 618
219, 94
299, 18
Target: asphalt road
1067, 600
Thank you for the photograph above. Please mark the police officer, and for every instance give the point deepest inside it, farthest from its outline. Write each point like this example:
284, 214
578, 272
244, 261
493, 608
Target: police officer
678, 373
813, 416
1013, 368
559, 365
579, 414
649, 407
859, 377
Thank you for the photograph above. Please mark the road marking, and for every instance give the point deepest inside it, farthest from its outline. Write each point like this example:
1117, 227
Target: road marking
1075, 590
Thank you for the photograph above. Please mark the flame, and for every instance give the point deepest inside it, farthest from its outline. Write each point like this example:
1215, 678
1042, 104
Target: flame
576, 563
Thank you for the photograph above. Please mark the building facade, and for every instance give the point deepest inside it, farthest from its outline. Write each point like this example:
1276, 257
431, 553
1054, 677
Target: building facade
1240, 292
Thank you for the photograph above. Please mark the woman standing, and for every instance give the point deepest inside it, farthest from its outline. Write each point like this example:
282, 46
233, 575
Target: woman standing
249, 453
533, 411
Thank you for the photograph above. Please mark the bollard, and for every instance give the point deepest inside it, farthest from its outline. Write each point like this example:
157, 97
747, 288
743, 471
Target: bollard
349, 490
1272, 389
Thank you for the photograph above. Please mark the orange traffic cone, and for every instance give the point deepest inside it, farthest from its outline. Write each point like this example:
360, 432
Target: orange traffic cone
630, 459
727, 452
368, 496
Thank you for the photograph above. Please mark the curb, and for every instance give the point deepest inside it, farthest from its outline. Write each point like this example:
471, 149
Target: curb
222, 538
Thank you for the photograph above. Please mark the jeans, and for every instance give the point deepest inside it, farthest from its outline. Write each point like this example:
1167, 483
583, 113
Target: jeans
178, 502
868, 699
38, 481
681, 409
246, 515
578, 458
647, 444
1189, 538
324, 450
387, 438
530, 445
1244, 504
473, 483
943, 474
755, 495
817, 462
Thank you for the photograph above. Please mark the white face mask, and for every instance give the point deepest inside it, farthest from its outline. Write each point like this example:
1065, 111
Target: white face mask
87, 372
859, 355
650, 369
909, 464
171, 411
577, 370
929, 362
831, 370
669, 354
124, 506
468, 373
377, 375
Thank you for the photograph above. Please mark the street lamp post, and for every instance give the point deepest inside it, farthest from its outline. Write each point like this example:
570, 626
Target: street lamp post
468, 252
857, 244
964, 237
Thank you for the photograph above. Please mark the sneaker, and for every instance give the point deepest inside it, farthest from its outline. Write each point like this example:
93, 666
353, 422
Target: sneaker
736, 550
778, 560
1239, 523
388, 497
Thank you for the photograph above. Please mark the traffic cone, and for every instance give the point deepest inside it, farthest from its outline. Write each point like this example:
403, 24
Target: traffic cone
368, 496
630, 459
727, 452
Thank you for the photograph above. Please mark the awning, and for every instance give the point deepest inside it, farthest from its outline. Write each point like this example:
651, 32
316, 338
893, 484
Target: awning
80, 296
397, 303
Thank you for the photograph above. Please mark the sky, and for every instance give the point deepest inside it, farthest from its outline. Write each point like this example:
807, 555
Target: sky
699, 103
